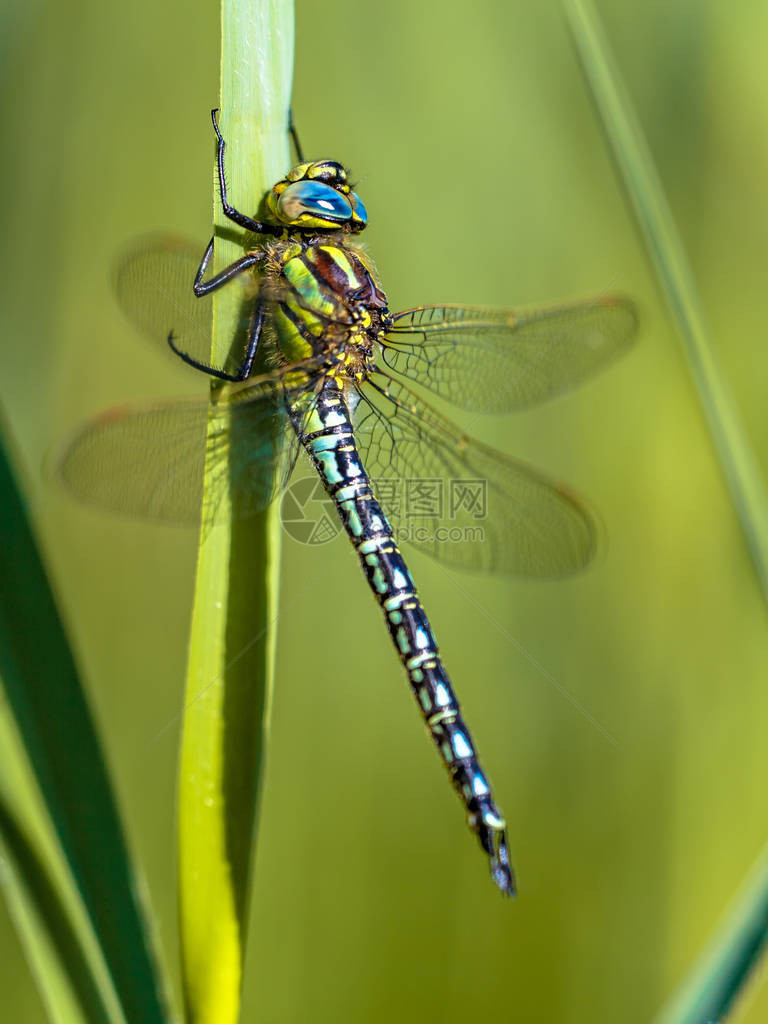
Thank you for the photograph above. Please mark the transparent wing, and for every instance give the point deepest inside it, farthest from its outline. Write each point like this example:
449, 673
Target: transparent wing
153, 283
148, 460
460, 500
502, 360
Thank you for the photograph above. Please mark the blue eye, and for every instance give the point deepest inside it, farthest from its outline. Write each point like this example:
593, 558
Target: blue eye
358, 207
315, 198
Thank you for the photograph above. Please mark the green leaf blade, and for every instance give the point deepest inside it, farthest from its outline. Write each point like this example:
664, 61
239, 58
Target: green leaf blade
648, 202
58, 962
45, 694
232, 641
719, 979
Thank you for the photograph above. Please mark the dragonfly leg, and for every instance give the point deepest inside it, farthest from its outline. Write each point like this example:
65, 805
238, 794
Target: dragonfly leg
210, 370
294, 135
251, 259
250, 354
201, 288
257, 226
253, 341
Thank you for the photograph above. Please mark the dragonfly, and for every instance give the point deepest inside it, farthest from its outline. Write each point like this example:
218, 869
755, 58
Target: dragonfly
318, 364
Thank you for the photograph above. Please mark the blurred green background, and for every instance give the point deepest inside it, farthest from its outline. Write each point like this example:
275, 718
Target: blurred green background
487, 180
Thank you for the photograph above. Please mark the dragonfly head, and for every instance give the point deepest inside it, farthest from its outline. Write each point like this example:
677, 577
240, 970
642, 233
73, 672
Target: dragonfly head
317, 196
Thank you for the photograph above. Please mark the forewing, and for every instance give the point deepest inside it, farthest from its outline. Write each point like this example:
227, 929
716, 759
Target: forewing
149, 460
460, 500
499, 360
153, 284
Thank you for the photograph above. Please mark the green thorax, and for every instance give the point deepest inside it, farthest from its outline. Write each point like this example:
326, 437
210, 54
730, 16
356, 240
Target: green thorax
327, 296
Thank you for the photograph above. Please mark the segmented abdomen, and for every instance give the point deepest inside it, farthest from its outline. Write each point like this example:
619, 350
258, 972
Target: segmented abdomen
327, 435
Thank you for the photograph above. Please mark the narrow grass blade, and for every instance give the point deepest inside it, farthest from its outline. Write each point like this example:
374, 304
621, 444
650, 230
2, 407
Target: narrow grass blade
232, 643
43, 900
52, 946
44, 692
665, 249
719, 978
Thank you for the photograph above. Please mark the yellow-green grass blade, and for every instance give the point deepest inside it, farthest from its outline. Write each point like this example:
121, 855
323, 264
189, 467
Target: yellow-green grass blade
718, 980
43, 901
665, 249
46, 698
232, 643
56, 959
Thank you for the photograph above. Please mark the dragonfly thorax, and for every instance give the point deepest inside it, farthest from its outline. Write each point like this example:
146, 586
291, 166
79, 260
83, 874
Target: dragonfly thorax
317, 196
327, 299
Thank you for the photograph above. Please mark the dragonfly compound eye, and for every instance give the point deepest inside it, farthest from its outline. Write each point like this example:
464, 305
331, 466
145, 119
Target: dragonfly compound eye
359, 212
312, 204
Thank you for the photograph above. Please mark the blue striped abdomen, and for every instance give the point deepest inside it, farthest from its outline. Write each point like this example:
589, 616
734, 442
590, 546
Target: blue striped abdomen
328, 438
